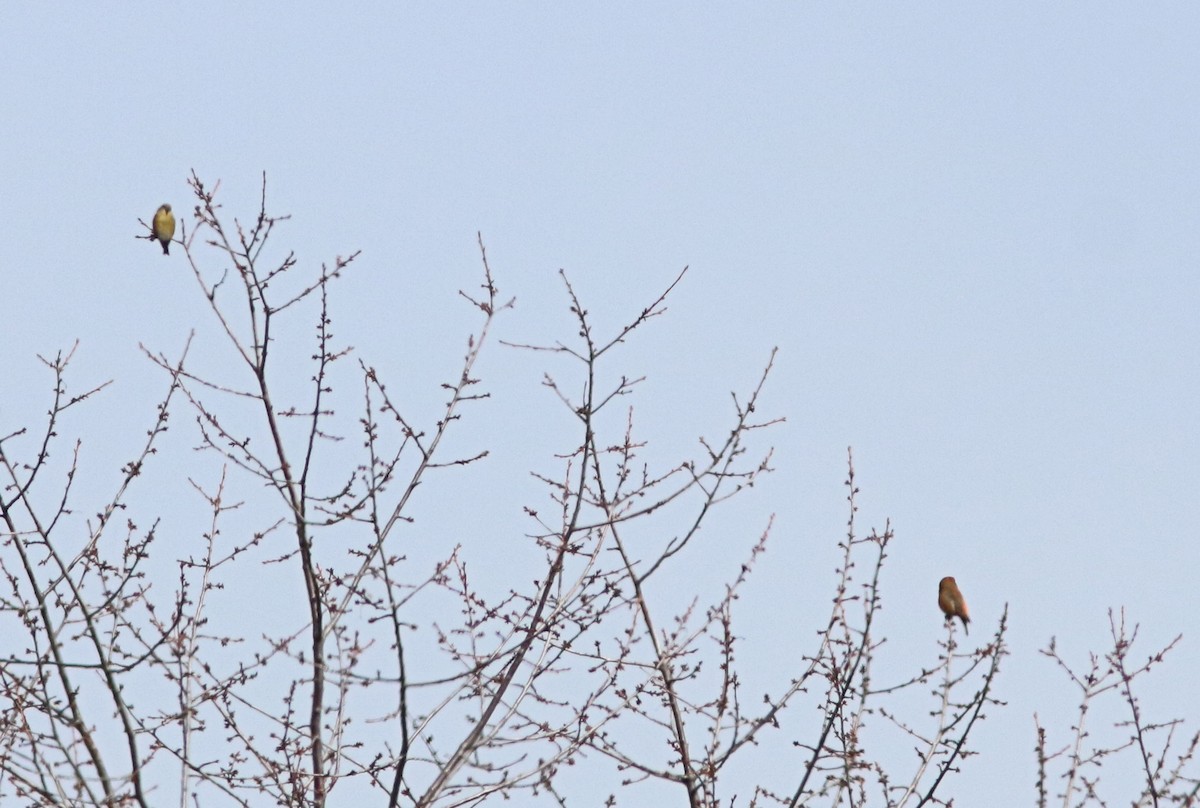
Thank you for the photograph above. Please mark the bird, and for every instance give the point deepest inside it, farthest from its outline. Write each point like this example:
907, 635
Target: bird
952, 603
163, 228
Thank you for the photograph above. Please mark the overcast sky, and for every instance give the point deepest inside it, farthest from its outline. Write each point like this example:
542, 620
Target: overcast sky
970, 229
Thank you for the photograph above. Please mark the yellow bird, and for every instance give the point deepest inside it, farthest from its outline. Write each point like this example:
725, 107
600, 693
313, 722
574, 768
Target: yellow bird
164, 227
952, 603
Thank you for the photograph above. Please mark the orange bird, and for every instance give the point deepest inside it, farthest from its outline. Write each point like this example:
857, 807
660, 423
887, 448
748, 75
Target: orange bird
952, 603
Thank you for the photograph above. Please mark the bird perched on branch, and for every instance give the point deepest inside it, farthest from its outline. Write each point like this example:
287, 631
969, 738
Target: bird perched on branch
952, 603
163, 227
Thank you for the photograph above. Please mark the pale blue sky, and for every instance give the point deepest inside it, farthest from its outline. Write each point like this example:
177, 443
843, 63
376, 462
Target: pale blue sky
971, 231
